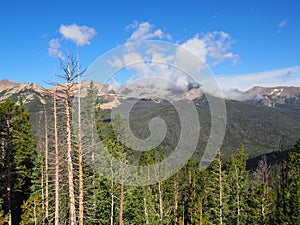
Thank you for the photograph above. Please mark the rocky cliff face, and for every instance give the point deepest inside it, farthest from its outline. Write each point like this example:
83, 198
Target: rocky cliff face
267, 96
274, 96
7, 84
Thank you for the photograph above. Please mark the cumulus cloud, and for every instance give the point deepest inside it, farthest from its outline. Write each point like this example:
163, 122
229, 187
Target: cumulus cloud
197, 46
54, 49
81, 35
145, 31
135, 62
218, 44
281, 77
210, 48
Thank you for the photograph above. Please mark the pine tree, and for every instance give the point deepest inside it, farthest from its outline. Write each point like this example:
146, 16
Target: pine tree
236, 188
90, 119
17, 154
4, 218
214, 189
287, 197
259, 201
201, 216
293, 184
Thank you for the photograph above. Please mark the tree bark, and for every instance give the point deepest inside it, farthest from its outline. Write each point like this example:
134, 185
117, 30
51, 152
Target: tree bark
9, 195
112, 196
69, 150
80, 158
56, 213
220, 191
237, 196
46, 171
176, 193
161, 206
146, 210
121, 197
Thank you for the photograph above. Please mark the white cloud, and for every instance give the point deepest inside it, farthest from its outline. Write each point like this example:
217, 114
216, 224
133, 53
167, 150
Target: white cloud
281, 25
113, 84
134, 62
81, 35
281, 77
145, 31
115, 62
53, 49
197, 46
218, 44
211, 48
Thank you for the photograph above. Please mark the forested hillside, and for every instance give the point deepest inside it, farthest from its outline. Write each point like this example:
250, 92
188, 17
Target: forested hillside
57, 176
225, 193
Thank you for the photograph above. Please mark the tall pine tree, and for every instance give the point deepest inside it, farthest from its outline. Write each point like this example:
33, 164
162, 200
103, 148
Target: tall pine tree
17, 154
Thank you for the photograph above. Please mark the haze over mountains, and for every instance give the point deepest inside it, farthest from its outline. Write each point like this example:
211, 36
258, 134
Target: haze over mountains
258, 118
268, 96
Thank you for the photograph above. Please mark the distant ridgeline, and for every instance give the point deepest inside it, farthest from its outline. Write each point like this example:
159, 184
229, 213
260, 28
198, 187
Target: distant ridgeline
259, 118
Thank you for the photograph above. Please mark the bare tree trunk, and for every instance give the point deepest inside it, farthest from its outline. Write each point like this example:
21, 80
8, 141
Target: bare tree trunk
220, 191
146, 210
121, 197
112, 209
9, 201
237, 197
34, 212
112, 196
80, 158
69, 149
238, 210
42, 186
70, 166
56, 214
176, 192
2, 150
94, 172
46, 171
201, 211
161, 206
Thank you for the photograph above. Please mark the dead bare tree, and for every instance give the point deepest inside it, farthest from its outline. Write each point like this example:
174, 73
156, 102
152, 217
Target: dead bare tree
56, 214
80, 157
46, 170
70, 74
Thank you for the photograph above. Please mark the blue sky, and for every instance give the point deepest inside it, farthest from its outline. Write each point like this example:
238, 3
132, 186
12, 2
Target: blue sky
261, 45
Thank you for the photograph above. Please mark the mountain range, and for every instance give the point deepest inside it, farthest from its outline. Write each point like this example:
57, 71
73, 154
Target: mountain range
257, 118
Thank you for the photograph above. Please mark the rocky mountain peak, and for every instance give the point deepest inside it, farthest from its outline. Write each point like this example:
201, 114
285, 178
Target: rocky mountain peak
7, 84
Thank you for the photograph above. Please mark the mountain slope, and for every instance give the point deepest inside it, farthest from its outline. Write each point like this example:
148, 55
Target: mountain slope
268, 96
6, 84
249, 120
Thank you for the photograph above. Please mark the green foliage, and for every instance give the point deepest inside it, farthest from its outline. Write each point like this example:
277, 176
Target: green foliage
17, 157
213, 189
4, 218
287, 189
236, 188
33, 212
191, 196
